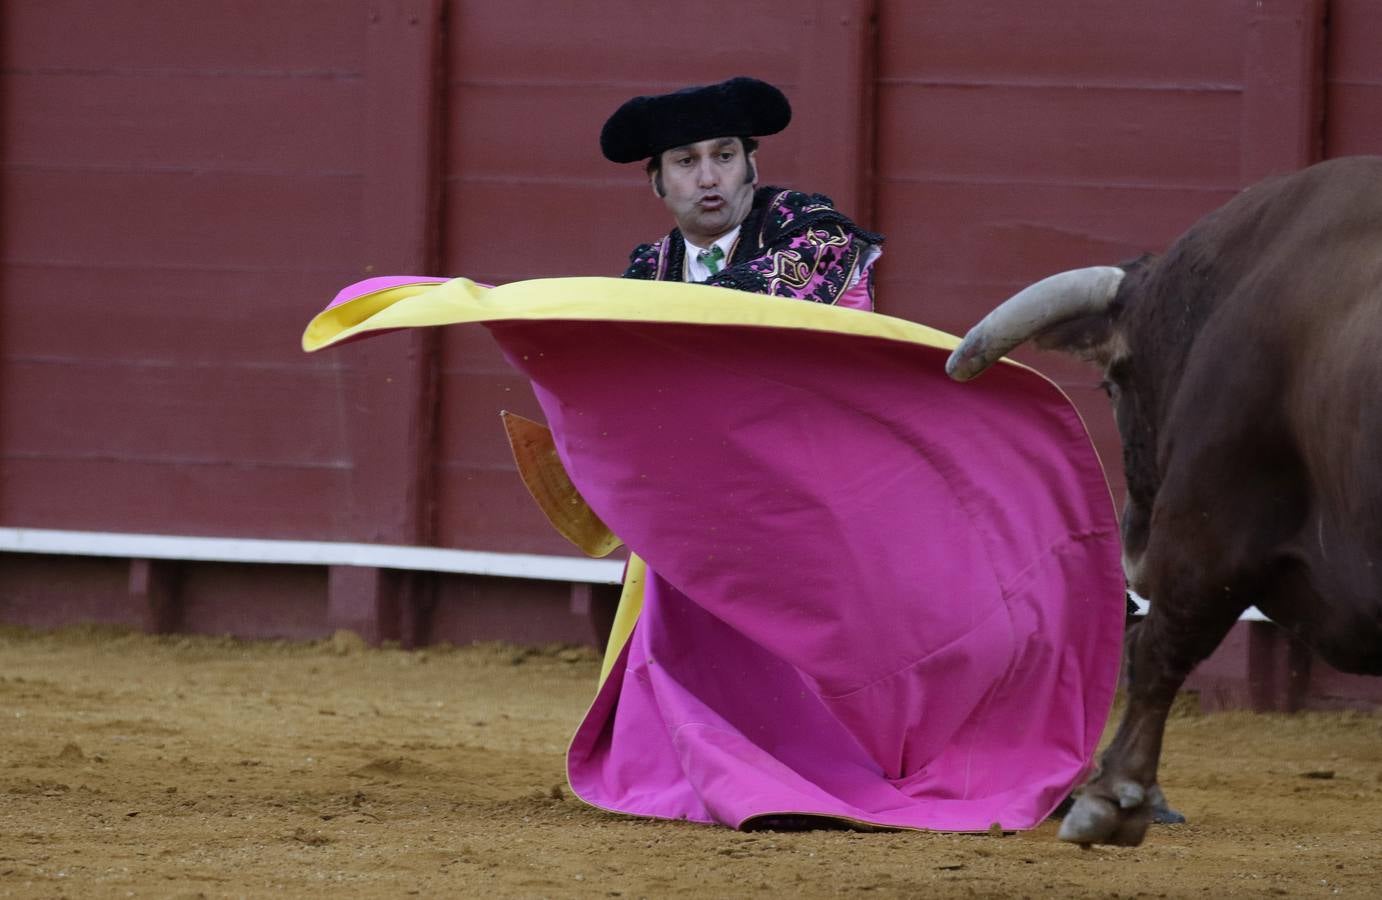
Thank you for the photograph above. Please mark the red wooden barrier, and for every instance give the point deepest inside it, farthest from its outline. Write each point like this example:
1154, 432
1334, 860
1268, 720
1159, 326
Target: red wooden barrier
185, 184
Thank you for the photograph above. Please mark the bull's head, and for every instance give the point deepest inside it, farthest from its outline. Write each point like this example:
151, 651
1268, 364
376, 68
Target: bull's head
1080, 312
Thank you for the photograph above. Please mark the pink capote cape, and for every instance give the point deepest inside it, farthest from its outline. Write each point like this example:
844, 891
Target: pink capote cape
871, 593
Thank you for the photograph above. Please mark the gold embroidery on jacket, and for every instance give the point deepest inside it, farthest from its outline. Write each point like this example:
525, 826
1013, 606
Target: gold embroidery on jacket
791, 270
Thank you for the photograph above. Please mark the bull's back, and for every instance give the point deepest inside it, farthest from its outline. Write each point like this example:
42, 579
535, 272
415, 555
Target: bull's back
1305, 312
1274, 395
1289, 275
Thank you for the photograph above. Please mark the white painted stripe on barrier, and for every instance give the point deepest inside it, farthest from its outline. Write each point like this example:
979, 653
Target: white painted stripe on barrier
316, 553
340, 553
1251, 614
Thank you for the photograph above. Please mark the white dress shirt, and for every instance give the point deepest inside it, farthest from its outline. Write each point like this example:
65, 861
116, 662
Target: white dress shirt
695, 269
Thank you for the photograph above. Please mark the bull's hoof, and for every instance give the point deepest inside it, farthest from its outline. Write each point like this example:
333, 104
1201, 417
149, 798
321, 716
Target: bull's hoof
1099, 819
1165, 815
1162, 813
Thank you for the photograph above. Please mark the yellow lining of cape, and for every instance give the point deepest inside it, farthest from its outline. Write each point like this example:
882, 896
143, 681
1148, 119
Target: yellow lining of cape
626, 616
462, 301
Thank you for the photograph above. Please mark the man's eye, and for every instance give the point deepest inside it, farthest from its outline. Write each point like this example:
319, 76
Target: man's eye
726, 156
684, 161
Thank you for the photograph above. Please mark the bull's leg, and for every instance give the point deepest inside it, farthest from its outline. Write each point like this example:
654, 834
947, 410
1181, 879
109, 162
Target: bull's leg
1123, 797
1162, 813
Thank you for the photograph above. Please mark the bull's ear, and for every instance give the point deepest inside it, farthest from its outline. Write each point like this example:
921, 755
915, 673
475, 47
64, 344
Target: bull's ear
1089, 338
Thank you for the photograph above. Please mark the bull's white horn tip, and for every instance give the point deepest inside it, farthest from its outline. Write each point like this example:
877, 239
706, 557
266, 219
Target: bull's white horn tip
960, 365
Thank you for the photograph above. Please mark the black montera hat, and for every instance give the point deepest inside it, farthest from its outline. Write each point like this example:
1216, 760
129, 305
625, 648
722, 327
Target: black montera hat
740, 107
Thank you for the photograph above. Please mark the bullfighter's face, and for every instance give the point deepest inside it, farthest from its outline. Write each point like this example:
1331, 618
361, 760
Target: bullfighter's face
707, 186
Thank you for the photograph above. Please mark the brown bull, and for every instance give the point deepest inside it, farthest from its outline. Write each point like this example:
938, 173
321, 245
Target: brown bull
1245, 371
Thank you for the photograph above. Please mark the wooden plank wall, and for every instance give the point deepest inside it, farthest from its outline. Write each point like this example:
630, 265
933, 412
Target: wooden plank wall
164, 205
1041, 143
185, 184
1031, 144
1353, 79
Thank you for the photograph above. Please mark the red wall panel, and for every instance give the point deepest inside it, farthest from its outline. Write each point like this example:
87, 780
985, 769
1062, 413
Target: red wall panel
185, 219
191, 122
1060, 134
182, 188
190, 317
89, 489
479, 505
211, 37
961, 246
470, 608
50, 592
480, 501
1182, 44
69, 403
1353, 79
1013, 145
253, 601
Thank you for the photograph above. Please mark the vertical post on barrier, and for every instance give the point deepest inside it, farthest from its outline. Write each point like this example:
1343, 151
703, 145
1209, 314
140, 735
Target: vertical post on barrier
153, 591
1283, 87
360, 599
1278, 669
393, 378
836, 89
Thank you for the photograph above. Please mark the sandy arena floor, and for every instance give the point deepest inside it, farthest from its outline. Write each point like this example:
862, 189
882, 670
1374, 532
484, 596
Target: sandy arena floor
196, 767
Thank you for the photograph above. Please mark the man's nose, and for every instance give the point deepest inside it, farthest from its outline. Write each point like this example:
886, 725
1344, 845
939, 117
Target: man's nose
706, 176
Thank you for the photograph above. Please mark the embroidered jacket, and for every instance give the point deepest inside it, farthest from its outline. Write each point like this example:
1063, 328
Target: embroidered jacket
790, 245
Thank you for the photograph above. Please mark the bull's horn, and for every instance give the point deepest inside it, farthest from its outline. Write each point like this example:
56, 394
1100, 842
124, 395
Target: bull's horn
1078, 292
